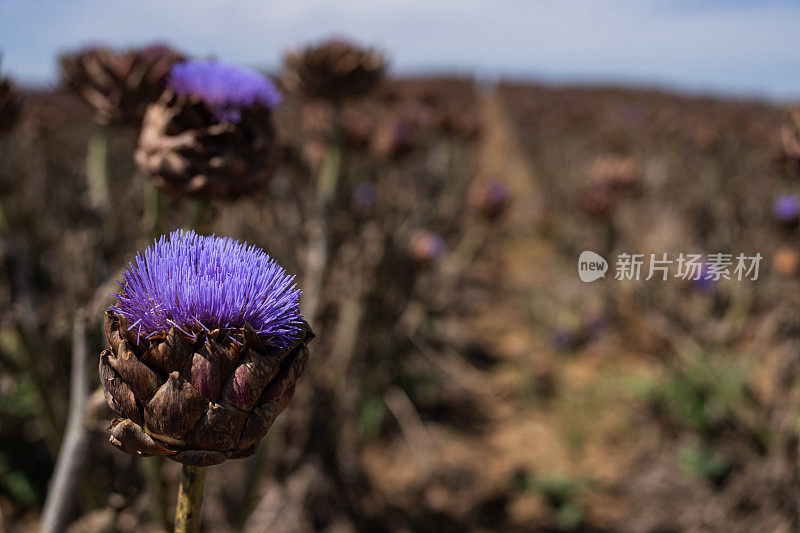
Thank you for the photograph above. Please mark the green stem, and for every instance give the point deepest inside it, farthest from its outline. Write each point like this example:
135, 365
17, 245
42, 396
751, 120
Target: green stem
154, 205
330, 170
189, 511
97, 167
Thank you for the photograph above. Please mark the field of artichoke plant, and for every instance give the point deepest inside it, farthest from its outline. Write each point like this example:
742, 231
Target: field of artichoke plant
334, 299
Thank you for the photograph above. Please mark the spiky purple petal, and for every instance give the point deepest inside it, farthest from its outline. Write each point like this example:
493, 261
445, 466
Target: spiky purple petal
195, 283
225, 88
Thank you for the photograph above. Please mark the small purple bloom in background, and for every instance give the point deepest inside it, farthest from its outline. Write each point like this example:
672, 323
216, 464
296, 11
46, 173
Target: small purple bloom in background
402, 131
498, 191
786, 209
426, 247
195, 283
705, 281
225, 88
563, 339
365, 194
490, 199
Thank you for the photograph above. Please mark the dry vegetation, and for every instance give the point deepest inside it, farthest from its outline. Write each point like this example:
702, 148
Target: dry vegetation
487, 389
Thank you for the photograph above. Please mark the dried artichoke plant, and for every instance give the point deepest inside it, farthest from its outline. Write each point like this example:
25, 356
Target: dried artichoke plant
206, 344
332, 72
211, 134
118, 86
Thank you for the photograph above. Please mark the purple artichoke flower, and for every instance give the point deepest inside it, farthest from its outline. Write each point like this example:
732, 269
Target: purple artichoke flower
786, 209
206, 345
224, 88
193, 283
211, 134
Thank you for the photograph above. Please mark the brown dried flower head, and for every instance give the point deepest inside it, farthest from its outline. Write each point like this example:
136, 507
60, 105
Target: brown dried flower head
119, 85
333, 70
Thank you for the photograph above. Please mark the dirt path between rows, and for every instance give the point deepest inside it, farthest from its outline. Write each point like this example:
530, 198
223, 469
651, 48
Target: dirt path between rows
555, 418
563, 417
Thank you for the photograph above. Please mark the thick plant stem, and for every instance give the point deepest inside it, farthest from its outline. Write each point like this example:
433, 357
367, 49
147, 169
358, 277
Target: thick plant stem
189, 511
317, 258
97, 168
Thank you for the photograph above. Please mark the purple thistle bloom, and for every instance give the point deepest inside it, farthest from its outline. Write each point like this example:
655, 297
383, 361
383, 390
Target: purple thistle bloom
427, 246
786, 209
365, 194
225, 88
195, 283
497, 191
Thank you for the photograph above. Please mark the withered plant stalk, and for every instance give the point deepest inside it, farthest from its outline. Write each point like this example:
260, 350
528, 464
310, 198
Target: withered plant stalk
327, 183
97, 167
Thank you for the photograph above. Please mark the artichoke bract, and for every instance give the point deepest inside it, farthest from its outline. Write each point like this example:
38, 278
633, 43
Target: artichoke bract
9, 105
333, 70
211, 134
206, 346
119, 85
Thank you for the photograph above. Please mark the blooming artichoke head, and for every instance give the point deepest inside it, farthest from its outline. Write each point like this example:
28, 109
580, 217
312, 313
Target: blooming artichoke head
206, 343
211, 134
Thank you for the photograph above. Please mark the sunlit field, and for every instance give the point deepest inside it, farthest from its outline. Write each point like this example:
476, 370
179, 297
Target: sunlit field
488, 306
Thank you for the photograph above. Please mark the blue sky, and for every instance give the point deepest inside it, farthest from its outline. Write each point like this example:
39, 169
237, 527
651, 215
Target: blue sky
743, 47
